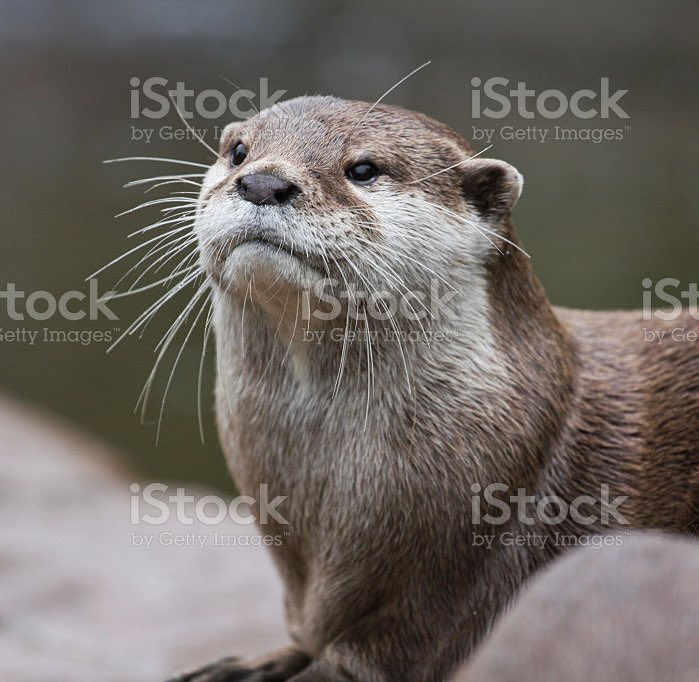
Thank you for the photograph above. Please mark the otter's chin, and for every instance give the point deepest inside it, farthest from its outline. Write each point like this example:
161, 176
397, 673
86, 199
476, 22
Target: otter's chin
264, 272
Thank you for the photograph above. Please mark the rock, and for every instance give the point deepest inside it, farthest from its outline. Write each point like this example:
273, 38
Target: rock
79, 602
627, 613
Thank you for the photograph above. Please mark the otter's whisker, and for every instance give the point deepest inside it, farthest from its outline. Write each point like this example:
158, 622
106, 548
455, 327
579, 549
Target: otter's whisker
482, 229
164, 342
157, 158
276, 337
169, 335
324, 257
197, 136
186, 263
242, 319
397, 330
146, 287
370, 368
181, 317
292, 337
392, 322
169, 246
159, 237
152, 317
171, 220
444, 170
343, 354
382, 266
158, 178
153, 308
173, 182
177, 360
172, 252
242, 91
176, 247
165, 200
207, 332
372, 291
389, 91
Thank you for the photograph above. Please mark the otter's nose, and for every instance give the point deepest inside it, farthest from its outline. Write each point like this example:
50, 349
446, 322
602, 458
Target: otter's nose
264, 189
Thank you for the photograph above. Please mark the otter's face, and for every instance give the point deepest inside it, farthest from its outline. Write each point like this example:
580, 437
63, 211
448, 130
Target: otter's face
380, 198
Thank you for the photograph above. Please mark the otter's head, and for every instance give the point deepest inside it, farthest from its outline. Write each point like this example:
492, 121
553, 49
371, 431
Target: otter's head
372, 197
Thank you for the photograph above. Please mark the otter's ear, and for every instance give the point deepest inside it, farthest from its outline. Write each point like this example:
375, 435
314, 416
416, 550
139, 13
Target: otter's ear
492, 186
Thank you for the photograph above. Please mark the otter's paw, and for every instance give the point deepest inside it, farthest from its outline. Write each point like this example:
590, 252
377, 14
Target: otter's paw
226, 670
275, 668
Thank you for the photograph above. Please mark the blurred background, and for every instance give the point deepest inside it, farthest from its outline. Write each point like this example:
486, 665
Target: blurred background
597, 218
76, 590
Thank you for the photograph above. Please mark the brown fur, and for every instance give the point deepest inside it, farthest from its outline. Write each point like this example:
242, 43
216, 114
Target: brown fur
384, 580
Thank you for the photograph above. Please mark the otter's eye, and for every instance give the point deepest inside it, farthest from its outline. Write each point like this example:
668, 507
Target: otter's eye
363, 173
238, 154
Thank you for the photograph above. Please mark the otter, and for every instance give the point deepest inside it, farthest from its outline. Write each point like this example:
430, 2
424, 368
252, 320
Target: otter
385, 356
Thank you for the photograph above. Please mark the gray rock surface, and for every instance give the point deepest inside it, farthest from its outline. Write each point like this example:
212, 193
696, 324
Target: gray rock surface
627, 613
79, 602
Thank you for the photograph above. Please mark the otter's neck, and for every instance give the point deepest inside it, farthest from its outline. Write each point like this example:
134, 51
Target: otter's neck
494, 369
364, 351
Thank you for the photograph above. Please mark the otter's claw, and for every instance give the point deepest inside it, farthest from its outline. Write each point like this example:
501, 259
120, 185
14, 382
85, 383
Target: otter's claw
232, 669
